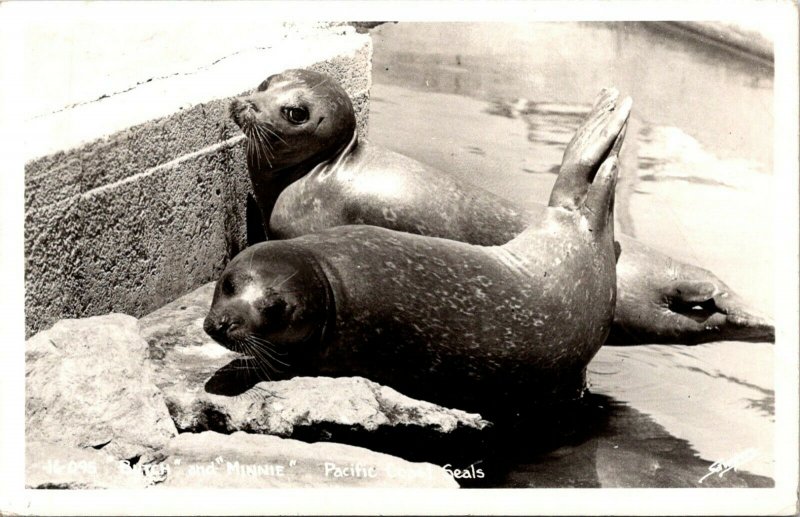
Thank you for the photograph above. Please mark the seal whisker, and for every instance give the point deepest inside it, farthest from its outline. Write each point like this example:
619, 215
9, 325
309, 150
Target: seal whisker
323, 81
244, 349
265, 139
284, 280
260, 135
267, 354
261, 389
268, 149
254, 141
290, 292
275, 134
260, 339
259, 360
257, 142
266, 351
247, 350
265, 148
250, 265
252, 150
264, 359
269, 345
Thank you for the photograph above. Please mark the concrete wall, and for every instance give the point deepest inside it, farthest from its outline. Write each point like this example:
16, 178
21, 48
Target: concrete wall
138, 195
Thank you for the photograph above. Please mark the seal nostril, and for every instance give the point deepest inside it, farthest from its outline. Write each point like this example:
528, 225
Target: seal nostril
223, 325
214, 327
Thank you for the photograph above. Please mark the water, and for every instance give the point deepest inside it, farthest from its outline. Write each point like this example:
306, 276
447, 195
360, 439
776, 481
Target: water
496, 104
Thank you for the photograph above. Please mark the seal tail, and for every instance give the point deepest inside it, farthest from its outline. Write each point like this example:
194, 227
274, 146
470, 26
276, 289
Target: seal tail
599, 137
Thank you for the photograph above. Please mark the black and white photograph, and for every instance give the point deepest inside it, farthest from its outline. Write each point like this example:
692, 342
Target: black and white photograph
496, 257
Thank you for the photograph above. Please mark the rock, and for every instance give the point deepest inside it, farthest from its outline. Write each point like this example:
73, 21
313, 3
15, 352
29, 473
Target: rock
242, 460
278, 407
89, 384
57, 466
182, 354
208, 387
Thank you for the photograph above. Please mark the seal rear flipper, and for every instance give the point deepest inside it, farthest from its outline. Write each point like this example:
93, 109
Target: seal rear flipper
595, 140
599, 206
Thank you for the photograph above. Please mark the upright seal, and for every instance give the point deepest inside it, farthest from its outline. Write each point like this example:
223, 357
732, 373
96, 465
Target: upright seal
309, 172
493, 329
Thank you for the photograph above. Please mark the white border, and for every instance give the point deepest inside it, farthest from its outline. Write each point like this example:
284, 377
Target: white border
780, 500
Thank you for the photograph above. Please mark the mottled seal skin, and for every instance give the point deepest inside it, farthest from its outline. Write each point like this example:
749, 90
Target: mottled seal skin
312, 175
491, 329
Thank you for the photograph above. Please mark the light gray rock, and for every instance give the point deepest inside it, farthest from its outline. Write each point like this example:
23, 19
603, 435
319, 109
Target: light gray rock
57, 466
193, 371
242, 460
89, 384
353, 402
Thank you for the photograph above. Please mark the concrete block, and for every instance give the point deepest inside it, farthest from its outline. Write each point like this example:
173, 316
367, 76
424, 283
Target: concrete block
54, 267
147, 200
163, 233
85, 162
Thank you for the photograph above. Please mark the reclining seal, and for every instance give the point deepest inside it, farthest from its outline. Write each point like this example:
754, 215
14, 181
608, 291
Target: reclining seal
454, 323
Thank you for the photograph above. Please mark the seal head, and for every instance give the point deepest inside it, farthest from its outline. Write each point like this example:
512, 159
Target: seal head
268, 303
295, 117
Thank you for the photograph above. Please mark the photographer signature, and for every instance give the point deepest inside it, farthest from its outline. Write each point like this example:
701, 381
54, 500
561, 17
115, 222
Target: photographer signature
737, 460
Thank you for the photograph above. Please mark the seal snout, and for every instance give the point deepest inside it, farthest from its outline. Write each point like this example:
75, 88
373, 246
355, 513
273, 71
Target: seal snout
242, 112
220, 327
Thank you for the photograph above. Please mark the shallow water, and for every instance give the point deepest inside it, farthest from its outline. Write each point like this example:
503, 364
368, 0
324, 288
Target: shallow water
495, 106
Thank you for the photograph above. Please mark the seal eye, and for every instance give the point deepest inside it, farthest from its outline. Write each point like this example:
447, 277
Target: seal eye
296, 115
227, 286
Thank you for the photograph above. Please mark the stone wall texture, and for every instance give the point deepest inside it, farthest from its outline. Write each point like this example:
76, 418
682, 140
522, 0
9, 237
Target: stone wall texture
139, 196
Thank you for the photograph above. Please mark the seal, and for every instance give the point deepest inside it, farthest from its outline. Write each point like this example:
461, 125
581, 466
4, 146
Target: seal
457, 324
310, 172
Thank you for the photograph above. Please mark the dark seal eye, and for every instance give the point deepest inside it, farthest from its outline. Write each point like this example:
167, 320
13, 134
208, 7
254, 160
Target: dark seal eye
296, 115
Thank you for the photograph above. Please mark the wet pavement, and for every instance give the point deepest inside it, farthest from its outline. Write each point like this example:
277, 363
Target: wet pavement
697, 184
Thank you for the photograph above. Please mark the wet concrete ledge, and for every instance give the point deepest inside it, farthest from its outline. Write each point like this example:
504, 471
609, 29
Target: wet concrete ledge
136, 186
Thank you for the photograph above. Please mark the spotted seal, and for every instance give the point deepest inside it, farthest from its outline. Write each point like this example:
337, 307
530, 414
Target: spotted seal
454, 323
310, 172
